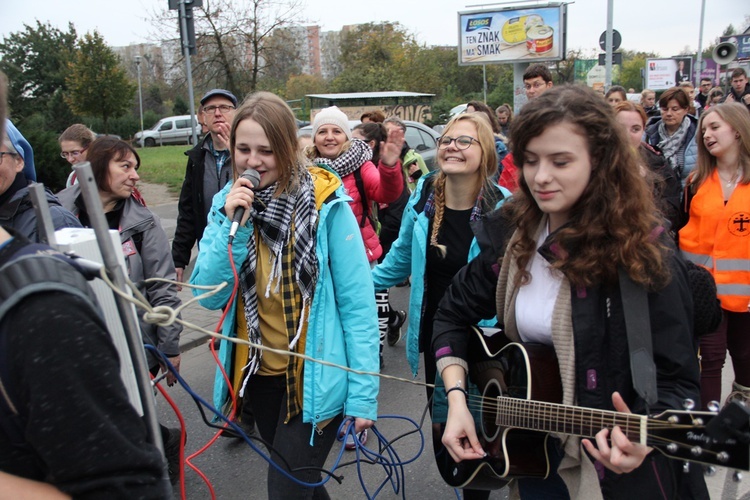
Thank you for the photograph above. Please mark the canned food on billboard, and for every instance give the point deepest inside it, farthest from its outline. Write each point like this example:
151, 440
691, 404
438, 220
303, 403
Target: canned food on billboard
539, 39
514, 29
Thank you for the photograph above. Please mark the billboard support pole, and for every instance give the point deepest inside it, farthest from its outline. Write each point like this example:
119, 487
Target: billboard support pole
608, 45
484, 81
699, 68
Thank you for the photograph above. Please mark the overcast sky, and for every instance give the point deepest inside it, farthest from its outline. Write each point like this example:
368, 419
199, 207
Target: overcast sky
661, 26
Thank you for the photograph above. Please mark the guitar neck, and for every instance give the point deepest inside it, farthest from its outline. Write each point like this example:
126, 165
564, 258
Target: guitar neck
564, 419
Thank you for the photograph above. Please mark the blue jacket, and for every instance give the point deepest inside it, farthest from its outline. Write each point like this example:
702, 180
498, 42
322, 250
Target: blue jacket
408, 256
343, 325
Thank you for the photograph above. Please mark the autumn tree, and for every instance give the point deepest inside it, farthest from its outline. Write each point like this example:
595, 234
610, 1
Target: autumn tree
232, 40
97, 85
35, 61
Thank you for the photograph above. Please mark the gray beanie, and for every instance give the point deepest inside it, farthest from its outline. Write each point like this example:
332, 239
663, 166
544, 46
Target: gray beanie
332, 116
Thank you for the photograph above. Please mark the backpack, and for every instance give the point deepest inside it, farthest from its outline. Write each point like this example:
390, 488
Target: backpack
35, 268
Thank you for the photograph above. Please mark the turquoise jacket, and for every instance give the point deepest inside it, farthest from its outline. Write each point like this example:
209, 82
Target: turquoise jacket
408, 257
343, 325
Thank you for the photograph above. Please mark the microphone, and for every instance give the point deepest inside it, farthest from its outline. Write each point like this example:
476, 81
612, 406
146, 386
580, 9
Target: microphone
254, 177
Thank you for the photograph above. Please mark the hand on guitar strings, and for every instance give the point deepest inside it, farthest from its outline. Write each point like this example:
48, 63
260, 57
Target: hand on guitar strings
618, 453
460, 436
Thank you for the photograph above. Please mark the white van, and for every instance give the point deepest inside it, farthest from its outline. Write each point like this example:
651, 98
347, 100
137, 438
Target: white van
169, 130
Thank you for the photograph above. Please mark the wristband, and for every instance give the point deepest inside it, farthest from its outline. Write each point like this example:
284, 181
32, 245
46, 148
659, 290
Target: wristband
457, 388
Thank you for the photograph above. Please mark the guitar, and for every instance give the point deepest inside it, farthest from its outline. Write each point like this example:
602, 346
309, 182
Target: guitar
519, 407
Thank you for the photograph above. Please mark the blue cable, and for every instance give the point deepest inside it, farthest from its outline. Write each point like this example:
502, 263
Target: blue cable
389, 463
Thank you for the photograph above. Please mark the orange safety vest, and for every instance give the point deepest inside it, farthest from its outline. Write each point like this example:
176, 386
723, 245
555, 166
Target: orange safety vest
717, 237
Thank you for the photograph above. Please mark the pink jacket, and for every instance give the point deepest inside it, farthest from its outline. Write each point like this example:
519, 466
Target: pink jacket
383, 184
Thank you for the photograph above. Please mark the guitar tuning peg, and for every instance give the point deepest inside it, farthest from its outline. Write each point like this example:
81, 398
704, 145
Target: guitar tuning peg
686, 467
709, 471
688, 404
737, 476
714, 406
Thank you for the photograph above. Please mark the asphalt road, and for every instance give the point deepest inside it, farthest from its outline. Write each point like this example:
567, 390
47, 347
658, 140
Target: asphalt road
235, 471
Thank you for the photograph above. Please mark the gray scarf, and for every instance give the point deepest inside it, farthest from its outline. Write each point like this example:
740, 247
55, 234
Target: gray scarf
670, 145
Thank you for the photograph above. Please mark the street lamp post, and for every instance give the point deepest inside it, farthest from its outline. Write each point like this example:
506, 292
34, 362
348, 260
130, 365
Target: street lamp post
140, 94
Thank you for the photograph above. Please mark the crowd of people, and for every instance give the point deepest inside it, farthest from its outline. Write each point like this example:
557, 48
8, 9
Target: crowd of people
533, 221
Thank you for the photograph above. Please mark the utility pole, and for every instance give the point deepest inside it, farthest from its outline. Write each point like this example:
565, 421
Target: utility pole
608, 53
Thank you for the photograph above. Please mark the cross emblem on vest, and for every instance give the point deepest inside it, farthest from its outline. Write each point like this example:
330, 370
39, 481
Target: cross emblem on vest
739, 224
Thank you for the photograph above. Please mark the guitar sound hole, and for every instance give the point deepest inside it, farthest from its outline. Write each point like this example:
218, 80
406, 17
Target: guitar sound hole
490, 394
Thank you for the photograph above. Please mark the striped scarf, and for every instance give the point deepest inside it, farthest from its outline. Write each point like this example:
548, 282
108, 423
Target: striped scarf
287, 226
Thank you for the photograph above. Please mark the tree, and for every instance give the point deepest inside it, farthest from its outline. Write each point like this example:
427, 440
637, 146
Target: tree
35, 61
232, 40
97, 85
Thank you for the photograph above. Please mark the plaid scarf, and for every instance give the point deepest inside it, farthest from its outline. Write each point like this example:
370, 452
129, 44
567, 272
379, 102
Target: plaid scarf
350, 160
286, 225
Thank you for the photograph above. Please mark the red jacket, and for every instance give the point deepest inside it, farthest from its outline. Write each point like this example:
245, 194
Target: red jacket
382, 184
509, 178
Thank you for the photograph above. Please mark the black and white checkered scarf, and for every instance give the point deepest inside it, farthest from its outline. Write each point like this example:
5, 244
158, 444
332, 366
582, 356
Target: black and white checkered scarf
287, 225
350, 160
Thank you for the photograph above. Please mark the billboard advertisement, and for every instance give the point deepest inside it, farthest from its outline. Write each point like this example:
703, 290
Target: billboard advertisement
743, 45
662, 74
512, 35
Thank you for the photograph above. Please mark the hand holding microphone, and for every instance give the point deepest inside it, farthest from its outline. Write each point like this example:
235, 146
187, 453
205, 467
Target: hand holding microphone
239, 210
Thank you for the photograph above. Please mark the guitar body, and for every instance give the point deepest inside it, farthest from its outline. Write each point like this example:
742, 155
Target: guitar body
527, 372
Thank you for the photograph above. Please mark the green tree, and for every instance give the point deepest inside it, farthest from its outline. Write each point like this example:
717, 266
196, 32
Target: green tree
633, 63
180, 106
36, 61
97, 85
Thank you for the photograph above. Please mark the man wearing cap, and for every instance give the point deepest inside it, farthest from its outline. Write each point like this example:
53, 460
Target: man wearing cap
208, 170
16, 172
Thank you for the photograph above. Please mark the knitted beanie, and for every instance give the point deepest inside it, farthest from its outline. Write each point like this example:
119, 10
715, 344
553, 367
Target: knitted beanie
332, 116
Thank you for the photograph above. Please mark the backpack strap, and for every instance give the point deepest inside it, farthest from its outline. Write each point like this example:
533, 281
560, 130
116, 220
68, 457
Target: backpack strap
23, 276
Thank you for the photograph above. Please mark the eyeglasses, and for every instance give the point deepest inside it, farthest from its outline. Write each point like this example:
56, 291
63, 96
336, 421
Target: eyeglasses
4, 153
462, 141
72, 154
223, 109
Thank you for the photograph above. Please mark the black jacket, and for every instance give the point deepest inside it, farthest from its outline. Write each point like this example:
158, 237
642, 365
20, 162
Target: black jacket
192, 206
738, 98
601, 346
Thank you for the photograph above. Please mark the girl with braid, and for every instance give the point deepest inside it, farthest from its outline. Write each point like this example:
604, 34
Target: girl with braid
437, 235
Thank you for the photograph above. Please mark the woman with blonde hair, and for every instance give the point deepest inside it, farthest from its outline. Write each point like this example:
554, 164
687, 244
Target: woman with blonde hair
441, 230
295, 261
717, 200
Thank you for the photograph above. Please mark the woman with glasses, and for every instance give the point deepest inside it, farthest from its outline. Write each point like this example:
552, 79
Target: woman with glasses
16, 172
74, 143
439, 232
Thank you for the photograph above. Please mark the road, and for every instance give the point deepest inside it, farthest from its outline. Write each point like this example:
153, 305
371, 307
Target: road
235, 471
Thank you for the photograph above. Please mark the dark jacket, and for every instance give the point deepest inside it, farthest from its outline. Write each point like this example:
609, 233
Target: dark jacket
193, 205
17, 211
738, 98
600, 338
666, 184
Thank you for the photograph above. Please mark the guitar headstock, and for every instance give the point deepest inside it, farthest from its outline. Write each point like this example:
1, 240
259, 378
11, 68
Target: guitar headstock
715, 439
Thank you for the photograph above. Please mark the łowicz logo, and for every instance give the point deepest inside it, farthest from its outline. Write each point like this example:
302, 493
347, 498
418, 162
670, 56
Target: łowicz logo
478, 23
739, 224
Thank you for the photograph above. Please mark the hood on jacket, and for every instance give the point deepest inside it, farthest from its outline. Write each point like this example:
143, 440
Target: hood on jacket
23, 148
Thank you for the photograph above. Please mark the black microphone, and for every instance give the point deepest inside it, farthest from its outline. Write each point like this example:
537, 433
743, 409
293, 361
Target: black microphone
254, 177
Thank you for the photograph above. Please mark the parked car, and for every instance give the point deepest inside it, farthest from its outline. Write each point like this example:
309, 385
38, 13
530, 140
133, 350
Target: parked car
419, 137
169, 130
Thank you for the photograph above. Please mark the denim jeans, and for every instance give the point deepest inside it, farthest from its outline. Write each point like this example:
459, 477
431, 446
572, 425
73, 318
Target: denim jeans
290, 442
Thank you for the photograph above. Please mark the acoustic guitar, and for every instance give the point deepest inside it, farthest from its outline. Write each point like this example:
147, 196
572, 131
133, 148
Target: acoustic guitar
520, 406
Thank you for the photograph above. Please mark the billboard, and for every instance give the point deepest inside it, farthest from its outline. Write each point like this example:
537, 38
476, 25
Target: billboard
742, 42
512, 35
662, 74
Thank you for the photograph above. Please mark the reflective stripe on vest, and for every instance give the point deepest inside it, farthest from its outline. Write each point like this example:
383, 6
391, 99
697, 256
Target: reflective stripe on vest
733, 265
736, 290
702, 260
